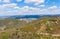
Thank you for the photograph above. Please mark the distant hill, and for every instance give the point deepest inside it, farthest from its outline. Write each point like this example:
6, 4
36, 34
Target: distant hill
27, 16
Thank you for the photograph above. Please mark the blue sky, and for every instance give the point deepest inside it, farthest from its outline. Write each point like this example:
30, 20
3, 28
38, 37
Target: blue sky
29, 7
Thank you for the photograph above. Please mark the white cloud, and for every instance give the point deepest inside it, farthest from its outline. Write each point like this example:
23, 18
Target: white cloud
10, 5
13, 9
52, 10
6, 1
42, 5
53, 7
35, 1
8, 9
19, 0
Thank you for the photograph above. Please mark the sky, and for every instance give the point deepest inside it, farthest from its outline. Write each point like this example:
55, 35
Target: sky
29, 7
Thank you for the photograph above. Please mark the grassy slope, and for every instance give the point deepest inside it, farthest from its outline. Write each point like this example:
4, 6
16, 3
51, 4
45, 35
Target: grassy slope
32, 30
49, 25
